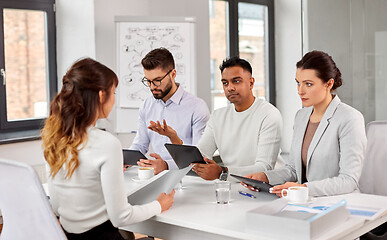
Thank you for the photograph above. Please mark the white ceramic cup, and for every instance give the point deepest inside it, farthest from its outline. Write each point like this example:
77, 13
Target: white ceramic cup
296, 194
145, 173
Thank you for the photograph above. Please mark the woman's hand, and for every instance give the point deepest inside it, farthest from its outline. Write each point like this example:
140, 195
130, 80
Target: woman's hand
278, 189
166, 200
125, 167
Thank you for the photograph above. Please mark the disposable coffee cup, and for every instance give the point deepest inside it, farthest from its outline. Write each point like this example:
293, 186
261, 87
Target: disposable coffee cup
145, 173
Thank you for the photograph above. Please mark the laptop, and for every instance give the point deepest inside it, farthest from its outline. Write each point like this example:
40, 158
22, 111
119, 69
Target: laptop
131, 157
184, 155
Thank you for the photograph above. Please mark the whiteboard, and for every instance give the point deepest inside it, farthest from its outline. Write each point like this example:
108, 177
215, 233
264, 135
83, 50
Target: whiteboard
136, 36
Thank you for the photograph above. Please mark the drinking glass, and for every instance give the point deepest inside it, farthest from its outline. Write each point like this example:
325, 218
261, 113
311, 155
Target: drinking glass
222, 191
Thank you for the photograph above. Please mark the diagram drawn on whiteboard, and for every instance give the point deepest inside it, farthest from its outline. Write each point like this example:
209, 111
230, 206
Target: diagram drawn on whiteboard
136, 40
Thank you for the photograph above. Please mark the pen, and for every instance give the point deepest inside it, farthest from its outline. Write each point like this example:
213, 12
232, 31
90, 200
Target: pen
247, 194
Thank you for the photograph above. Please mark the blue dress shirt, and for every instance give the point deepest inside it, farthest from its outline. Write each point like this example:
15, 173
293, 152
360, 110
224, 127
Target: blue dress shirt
185, 113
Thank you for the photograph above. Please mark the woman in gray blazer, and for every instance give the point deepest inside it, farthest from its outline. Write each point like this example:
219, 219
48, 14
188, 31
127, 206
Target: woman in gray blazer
329, 137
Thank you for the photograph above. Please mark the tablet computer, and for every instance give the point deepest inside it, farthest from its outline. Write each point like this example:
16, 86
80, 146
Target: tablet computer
184, 155
132, 156
262, 186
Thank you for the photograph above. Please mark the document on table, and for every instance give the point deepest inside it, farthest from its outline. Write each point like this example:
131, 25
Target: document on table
162, 182
301, 208
364, 212
368, 213
306, 212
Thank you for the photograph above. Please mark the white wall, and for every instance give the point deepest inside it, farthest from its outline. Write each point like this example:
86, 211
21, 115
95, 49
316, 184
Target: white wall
28, 152
75, 33
288, 52
380, 75
105, 34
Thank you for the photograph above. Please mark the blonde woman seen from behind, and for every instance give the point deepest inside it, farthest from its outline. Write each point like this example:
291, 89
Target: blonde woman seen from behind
86, 183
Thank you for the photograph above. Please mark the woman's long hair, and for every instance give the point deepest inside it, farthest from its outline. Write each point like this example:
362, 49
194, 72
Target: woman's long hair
73, 111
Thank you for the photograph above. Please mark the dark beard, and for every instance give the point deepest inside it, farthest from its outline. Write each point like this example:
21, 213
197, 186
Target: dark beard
164, 93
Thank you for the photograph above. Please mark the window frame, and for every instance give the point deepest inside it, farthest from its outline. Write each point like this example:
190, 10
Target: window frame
233, 39
29, 127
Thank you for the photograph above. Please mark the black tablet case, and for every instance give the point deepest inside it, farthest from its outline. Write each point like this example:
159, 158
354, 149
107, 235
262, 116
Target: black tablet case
184, 155
132, 156
262, 186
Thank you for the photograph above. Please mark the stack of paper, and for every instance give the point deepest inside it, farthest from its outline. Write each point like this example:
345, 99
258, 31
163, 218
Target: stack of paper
296, 221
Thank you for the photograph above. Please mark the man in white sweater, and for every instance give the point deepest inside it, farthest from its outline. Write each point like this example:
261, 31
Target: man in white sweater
247, 133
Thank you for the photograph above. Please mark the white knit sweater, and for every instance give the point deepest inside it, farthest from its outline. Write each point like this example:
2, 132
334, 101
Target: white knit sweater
247, 141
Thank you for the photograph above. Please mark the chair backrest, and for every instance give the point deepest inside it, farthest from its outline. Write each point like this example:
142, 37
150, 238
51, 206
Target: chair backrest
374, 178
27, 214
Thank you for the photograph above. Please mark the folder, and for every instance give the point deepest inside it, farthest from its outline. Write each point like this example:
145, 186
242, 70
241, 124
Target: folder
162, 182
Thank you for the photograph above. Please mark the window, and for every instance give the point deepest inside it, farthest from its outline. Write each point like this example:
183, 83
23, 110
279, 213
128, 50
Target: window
243, 28
27, 65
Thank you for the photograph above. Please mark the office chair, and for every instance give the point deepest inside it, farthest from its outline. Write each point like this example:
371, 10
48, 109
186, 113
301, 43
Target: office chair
373, 177
27, 214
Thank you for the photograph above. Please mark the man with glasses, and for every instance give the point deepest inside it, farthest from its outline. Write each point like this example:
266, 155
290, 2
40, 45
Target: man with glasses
171, 115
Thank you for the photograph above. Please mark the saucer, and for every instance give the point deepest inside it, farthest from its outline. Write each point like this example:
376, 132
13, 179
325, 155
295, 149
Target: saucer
136, 179
302, 203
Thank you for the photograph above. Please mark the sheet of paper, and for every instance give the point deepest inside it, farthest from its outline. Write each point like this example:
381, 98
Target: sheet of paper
163, 182
364, 212
300, 208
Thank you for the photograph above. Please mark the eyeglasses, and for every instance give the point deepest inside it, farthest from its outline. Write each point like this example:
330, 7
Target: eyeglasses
156, 83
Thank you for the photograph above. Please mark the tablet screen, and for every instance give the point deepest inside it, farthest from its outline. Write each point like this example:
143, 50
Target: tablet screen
184, 155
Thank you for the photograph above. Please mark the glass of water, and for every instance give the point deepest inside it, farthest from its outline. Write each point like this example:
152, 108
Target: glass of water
222, 190
179, 186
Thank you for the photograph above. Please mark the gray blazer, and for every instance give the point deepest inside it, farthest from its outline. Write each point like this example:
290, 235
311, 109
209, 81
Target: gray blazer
335, 155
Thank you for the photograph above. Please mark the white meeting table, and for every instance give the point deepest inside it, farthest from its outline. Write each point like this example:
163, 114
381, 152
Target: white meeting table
196, 215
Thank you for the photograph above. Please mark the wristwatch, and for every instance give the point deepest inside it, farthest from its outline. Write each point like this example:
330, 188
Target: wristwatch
224, 174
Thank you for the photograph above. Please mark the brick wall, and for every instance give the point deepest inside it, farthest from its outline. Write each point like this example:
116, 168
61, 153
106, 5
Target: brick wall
25, 61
